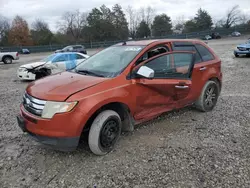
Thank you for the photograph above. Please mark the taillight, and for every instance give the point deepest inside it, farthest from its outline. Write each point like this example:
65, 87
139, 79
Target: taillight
17, 54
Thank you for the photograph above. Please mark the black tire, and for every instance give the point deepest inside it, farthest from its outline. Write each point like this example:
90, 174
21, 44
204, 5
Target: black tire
236, 55
104, 132
209, 96
7, 60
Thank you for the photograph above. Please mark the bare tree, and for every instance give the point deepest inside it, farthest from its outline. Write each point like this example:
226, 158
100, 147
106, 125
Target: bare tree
232, 17
219, 23
147, 14
133, 19
4, 27
244, 18
73, 23
179, 23
150, 14
142, 14
39, 25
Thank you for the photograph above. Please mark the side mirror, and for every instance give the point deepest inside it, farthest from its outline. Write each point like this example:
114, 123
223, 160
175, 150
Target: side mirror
146, 72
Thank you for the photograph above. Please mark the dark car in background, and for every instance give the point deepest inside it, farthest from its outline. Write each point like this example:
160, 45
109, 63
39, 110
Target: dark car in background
215, 36
212, 36
73, 48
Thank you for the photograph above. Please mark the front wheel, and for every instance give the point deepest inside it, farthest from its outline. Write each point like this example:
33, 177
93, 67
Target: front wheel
104, 132
236, 55
208, 97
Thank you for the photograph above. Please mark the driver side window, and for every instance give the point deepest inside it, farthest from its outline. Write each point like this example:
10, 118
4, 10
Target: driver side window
151, 53
177, 65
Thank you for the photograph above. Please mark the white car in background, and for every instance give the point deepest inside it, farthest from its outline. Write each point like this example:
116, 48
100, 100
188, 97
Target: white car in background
8, 57
236, 34
52, 64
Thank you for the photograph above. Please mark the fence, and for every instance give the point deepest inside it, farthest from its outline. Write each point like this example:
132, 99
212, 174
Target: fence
50, 48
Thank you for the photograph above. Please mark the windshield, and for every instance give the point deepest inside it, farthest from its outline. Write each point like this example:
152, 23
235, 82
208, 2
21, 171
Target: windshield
49, 58
111, 61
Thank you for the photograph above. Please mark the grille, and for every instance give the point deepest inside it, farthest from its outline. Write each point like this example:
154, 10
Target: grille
33, 105
243, 49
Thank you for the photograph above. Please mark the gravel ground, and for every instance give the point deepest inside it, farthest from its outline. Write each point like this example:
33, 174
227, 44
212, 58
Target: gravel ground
184, 148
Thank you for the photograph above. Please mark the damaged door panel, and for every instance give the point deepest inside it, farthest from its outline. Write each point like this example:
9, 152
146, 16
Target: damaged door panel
170, 86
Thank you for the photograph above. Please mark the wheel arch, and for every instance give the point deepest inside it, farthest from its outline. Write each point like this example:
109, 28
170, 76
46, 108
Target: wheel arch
215, 79
7, 56
121, 108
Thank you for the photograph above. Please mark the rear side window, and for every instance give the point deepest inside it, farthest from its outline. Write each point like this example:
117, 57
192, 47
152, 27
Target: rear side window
189, 48
204, 52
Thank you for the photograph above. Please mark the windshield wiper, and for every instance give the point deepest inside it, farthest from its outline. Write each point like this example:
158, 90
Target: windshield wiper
89, 72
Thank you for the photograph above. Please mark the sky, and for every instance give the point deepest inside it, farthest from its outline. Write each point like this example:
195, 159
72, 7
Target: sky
51, 10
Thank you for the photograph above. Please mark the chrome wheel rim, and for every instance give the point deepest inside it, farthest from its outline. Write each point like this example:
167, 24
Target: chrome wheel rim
211, 96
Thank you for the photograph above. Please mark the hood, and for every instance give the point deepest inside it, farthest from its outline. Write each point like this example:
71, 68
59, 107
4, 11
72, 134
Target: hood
60, 86
32, 65
244, 46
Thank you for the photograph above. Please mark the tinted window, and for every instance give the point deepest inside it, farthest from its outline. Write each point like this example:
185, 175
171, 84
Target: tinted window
175, 65
160, 65
204, 52
181, 59
189, 48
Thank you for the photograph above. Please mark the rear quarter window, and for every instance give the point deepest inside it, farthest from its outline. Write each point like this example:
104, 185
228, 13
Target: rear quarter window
206, 55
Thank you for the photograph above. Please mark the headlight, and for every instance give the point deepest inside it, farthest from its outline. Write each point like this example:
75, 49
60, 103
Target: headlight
242, 49
22, 69
51, 108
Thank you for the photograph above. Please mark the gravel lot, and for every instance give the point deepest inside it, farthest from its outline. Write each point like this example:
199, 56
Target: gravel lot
184, 148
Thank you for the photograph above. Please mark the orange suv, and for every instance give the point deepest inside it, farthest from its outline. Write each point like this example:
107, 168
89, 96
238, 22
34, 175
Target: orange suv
117, 88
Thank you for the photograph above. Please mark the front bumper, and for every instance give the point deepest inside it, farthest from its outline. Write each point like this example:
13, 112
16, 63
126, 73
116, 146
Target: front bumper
25, 75
241, 52
61, 144
62, 132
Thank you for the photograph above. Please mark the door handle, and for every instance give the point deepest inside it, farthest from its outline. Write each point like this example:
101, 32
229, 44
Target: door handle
181, 87
203, 68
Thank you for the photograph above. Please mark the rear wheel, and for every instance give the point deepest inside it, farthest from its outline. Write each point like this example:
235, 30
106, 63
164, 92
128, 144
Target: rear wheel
7, 60
104, 132
208, 97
